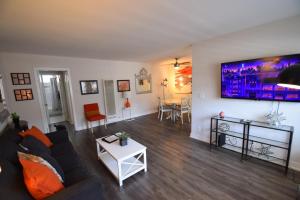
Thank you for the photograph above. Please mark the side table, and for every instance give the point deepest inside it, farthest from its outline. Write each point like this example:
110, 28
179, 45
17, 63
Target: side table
23, 125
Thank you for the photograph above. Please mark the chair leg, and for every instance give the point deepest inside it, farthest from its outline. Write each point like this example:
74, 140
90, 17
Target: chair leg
92, 129
189, 117
161, 115
105, 120
158, 114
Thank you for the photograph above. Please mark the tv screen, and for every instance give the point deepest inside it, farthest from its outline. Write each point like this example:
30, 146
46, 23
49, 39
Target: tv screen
257, 79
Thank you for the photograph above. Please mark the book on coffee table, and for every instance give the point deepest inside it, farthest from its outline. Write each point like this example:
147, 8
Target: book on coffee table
110, 139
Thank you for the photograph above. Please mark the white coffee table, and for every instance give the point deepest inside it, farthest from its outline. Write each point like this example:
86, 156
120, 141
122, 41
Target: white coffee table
122, 161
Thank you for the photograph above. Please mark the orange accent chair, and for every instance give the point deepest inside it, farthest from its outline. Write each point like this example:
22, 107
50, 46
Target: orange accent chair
92, 113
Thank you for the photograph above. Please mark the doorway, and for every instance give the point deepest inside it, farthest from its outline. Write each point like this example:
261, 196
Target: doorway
55, 95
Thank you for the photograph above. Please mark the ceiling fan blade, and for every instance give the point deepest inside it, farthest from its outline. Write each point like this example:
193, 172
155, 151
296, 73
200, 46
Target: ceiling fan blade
183, 63
167, 64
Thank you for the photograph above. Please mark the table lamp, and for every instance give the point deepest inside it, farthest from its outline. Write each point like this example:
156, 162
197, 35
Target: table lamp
290, 77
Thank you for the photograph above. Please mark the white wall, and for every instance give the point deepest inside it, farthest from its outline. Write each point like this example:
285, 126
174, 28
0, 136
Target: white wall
277, 38
80, 69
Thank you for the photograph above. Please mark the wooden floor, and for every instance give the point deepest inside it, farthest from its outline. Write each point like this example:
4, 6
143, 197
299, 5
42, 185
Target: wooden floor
183, 168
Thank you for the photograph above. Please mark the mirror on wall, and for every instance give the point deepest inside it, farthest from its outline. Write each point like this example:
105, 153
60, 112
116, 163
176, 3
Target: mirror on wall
109, 98
143, 82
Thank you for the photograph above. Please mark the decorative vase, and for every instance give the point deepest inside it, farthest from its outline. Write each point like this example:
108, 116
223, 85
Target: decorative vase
123, 142
127, 103
222, 114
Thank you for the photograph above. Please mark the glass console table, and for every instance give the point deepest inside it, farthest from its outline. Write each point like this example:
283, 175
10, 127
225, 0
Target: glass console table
253, 139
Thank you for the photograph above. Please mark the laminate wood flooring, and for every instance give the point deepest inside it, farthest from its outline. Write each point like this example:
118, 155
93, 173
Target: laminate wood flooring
180, 167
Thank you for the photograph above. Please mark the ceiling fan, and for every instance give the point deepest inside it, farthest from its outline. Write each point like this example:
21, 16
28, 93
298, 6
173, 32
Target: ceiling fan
177, 64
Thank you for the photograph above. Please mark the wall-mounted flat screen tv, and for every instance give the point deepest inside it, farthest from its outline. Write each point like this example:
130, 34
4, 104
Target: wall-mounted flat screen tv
257, 79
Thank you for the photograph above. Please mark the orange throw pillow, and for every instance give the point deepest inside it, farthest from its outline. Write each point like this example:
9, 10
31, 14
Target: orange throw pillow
39, 177
38, 134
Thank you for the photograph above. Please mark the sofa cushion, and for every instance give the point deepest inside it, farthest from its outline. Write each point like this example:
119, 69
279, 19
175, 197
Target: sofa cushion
68, 161
62, 149
75, 175
8, 151
11, 182
35, 145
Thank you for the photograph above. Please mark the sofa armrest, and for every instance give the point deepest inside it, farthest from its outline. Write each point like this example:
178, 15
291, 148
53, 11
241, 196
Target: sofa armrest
58, 137
88, 189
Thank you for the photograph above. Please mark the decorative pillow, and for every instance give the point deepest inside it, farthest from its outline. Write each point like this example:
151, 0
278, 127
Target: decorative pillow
92, 113
40, 178
38, 134
31, 143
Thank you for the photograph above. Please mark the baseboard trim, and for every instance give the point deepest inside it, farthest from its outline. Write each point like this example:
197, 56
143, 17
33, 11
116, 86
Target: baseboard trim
118, 120
293, 165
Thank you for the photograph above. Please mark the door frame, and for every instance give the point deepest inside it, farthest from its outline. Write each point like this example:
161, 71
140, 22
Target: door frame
41, 99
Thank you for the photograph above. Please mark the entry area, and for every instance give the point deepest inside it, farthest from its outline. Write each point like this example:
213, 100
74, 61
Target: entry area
56, 98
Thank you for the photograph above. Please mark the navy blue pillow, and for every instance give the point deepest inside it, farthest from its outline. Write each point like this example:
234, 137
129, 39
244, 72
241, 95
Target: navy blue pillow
52, 162
32, 144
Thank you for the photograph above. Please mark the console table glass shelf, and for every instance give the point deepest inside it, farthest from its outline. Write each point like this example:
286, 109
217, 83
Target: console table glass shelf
250, 144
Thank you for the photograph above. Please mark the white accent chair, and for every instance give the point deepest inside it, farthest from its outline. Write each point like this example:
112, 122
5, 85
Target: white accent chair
163, 109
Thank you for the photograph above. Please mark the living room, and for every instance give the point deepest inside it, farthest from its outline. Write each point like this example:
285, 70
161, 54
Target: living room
131, 52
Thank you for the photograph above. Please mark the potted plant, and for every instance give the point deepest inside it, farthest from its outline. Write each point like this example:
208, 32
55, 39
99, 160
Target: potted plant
123, 138
15, 118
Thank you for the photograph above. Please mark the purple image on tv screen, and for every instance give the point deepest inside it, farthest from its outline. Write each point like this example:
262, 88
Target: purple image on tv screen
257, 79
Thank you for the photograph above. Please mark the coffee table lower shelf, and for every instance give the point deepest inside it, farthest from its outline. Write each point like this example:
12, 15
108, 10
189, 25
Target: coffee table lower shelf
123, 169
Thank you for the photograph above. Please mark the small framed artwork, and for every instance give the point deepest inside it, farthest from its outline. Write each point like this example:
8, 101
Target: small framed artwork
23, 94
20, 78
123, 85
89, 87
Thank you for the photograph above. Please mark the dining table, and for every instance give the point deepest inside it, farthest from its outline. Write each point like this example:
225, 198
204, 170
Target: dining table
174, 102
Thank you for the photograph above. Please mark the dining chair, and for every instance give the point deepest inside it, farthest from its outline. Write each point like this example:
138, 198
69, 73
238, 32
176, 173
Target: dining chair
183, 108
162, 108
92, 113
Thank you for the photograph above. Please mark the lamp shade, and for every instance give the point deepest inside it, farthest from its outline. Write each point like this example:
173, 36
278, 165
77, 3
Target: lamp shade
290, 77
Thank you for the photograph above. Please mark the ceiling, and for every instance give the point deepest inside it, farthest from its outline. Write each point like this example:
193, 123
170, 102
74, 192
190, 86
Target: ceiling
134, 30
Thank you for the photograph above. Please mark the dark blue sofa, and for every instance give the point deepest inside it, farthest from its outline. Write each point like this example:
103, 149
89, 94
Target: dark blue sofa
79, 183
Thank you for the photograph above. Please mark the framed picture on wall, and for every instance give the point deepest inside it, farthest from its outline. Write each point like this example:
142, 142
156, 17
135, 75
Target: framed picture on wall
23, 94
89, 87
123, 85
20, 78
